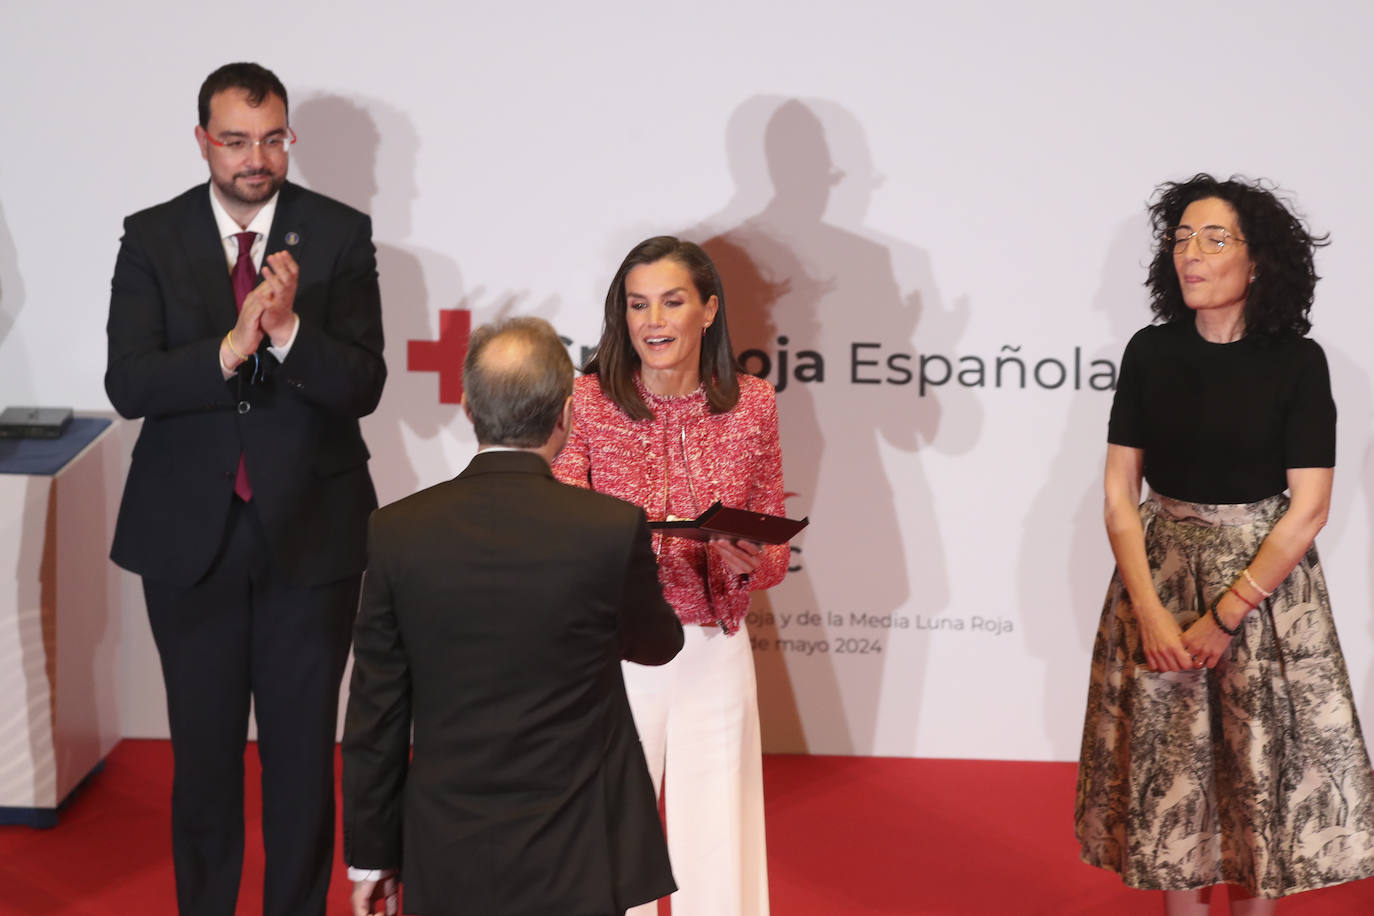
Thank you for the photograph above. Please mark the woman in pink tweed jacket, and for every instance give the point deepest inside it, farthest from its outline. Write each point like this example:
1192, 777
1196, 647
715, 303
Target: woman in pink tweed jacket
665, 419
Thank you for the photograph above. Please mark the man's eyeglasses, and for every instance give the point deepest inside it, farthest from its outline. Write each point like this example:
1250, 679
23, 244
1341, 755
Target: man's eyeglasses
239, 146
1210, 239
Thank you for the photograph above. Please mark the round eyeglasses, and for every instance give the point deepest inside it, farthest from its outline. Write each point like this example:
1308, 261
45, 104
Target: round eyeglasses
276, 143
1210, 239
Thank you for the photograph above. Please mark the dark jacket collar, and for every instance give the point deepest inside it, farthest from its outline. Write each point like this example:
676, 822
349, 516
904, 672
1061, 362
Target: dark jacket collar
507, 463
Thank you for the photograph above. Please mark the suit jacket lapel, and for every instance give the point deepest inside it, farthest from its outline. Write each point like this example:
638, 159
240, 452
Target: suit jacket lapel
205, 259
290, 229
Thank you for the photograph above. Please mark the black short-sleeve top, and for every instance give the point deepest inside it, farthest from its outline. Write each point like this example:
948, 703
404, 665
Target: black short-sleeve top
1221, 423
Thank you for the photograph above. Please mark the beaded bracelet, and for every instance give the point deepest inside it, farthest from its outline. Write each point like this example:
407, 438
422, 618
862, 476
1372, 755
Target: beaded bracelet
1224, 628
1253, 584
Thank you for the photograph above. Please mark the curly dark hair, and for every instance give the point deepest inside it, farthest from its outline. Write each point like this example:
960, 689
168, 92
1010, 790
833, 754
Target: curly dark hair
616, 361
1279, 244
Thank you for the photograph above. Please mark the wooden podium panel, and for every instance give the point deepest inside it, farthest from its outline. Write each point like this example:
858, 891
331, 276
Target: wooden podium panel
59, 621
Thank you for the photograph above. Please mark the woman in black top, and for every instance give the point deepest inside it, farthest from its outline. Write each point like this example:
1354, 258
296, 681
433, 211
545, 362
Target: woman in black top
1221, 744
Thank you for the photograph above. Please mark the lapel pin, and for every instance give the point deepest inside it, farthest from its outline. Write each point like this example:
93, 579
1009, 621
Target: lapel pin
293, 238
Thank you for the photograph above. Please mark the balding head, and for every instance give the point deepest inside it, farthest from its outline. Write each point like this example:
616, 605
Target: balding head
516, 379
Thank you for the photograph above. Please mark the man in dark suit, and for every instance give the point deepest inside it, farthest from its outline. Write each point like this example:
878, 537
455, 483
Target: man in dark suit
245, 329
496, 608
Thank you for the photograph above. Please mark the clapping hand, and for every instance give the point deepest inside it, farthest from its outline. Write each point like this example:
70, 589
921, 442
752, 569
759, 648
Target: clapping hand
280, 274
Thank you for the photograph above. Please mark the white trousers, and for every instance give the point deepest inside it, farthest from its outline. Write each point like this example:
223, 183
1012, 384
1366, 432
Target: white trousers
698, 717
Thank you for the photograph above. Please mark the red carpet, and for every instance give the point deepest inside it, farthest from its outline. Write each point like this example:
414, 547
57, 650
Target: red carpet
846, 835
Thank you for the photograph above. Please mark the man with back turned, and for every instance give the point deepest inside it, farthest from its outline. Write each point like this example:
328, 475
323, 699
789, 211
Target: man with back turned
496, 608
245, 330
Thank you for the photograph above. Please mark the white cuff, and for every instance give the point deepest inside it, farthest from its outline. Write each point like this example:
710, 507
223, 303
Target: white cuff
369, 874
281, 352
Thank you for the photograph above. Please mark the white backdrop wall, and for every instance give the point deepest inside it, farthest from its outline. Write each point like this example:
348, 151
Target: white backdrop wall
887, 186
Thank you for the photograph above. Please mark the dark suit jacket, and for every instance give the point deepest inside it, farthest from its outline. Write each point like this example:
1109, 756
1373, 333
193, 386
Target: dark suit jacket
171, 303
495, 610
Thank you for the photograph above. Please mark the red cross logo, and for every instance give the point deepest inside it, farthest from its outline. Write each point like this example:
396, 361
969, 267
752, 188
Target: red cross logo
445, 355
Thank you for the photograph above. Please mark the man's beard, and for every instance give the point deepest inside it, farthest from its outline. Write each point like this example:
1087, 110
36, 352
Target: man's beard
246, 195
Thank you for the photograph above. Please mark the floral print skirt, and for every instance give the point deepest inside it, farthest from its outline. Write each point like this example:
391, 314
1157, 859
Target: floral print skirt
1252, 773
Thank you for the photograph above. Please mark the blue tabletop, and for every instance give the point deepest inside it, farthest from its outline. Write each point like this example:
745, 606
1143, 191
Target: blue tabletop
48, 456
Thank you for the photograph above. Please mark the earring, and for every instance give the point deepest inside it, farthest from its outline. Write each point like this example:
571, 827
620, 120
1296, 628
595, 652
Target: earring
1252, 276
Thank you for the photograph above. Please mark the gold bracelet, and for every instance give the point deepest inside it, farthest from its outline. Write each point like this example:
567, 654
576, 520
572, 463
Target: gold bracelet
242, 359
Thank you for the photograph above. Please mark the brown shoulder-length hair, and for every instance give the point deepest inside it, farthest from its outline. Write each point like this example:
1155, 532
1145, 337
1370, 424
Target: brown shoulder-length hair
616, 362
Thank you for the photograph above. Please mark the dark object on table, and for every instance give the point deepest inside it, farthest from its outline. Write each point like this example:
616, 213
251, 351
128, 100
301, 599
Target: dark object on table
34, 422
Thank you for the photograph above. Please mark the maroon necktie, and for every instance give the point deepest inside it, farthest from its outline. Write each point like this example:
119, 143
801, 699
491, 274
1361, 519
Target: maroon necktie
244, 278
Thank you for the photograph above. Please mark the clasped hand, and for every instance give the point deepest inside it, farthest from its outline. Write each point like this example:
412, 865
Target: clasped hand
741, 557
1170, 648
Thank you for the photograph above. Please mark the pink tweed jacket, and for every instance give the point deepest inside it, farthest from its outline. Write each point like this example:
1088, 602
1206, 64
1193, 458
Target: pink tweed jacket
677, 464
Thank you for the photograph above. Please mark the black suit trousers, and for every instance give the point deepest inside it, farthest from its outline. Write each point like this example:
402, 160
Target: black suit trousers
237, 634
